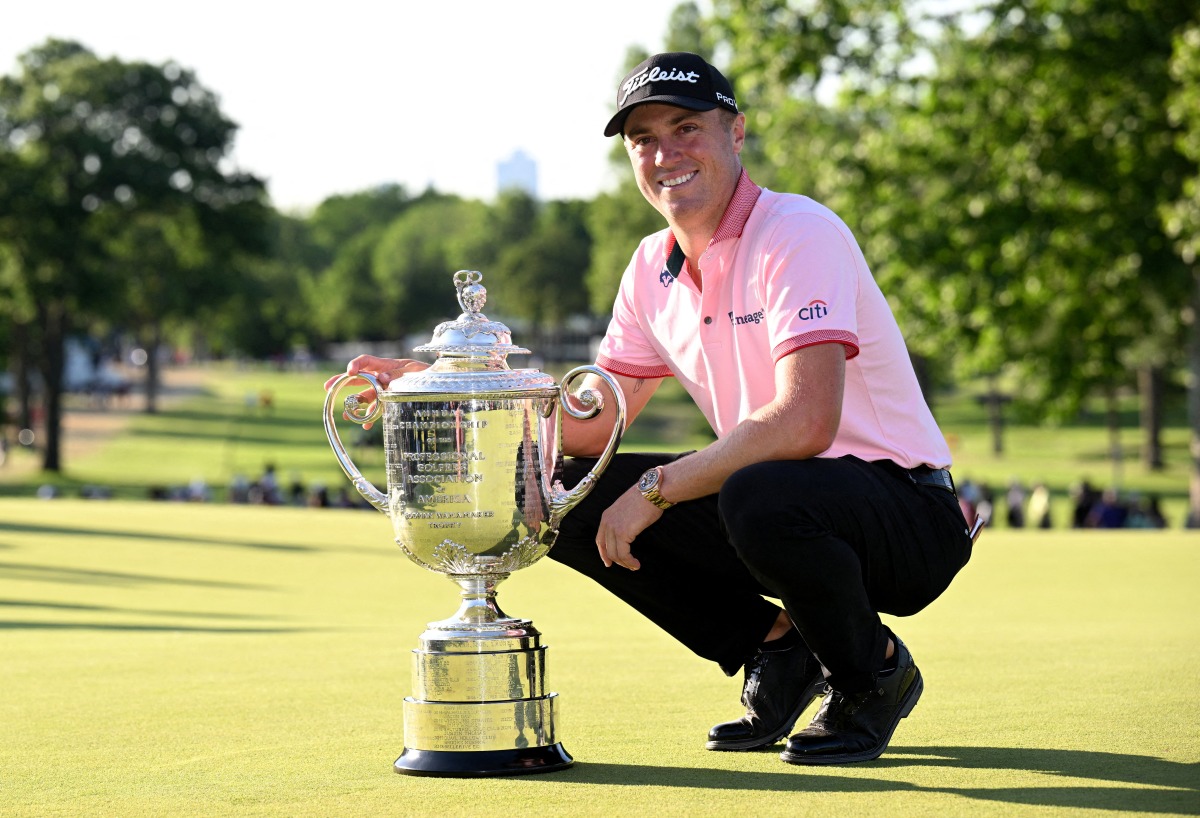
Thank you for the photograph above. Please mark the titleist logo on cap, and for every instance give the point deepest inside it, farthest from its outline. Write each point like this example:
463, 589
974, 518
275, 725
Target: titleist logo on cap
655, 74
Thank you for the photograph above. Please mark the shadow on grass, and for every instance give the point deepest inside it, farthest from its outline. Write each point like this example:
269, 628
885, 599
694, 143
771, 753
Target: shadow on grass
73, 531
74, 606
6, 625
81, 576
1158, 785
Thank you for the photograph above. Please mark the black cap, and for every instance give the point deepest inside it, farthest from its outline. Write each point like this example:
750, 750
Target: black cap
675, 78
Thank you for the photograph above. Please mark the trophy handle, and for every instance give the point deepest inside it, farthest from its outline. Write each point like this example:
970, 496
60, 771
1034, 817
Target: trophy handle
562, 500
359, 415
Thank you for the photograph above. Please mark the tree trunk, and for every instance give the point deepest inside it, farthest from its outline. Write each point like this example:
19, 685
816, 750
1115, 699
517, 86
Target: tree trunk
1193, 403
22, 372
995, 405
1150, 388
1113, 421
154, 338
53, 318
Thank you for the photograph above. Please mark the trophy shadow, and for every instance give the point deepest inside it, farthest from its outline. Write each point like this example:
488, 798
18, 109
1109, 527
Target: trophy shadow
1151, 784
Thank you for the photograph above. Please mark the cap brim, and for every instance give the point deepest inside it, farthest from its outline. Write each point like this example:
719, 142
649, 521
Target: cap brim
616, 125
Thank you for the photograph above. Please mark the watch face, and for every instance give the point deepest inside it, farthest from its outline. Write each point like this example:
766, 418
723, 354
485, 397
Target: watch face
649, 480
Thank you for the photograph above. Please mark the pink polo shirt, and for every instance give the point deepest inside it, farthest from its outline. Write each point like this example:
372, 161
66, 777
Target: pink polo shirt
781, 273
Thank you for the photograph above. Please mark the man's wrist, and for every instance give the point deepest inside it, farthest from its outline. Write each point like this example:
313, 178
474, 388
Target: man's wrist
650, 485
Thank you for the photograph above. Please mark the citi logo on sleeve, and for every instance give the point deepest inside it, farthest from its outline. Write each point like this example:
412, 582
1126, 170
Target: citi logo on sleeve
815, 309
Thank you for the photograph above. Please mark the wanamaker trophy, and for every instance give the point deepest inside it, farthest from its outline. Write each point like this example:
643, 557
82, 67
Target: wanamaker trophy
474, 460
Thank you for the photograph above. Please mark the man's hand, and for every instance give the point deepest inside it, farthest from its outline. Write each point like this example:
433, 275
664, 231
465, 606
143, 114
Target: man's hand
624, 520
385, 370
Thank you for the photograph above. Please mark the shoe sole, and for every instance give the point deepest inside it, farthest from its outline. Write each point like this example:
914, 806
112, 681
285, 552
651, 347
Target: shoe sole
906, 707
811, 692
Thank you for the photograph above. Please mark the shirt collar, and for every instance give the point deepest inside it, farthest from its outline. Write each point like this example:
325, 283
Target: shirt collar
733, 221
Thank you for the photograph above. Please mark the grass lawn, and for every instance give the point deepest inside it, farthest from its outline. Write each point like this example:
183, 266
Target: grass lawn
188, 659
211, 659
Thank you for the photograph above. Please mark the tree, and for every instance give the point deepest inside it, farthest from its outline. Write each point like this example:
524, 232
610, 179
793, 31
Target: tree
88, 138
413, 263
1005, 197
540, 276
1042, 153
1182, 217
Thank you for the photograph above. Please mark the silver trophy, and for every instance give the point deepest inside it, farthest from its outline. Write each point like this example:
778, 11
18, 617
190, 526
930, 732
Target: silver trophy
474, 461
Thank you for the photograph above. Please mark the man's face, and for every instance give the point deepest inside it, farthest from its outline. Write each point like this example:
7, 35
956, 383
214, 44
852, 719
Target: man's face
685, 162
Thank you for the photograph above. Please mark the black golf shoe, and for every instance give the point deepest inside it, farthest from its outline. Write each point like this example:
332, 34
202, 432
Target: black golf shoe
858, 726
779, 684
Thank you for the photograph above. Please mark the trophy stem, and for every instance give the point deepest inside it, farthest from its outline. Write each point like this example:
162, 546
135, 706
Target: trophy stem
478, 609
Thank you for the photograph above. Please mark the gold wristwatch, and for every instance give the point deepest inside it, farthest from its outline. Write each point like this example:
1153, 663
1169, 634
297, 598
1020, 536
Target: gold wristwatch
648, 486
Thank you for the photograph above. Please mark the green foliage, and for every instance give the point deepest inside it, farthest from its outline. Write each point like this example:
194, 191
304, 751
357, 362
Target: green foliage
113, 201
1182, 216
1001, 193
412, 264
541, 274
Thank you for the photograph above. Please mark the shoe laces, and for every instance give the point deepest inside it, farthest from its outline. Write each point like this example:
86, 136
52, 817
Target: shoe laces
839, 707
754, 670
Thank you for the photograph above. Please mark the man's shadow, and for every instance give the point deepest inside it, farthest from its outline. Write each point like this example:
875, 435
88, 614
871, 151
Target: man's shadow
1154, 784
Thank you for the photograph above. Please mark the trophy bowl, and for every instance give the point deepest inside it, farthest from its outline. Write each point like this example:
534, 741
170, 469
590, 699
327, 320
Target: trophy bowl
473, 455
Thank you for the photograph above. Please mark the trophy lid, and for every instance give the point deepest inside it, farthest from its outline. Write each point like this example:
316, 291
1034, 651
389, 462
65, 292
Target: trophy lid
472, 353
472, 334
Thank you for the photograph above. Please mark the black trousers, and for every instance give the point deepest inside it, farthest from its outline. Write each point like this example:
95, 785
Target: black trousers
837, 541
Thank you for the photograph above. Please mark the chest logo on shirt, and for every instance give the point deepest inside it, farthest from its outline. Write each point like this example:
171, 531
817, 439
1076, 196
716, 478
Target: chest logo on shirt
665, 278
750, 318
815, 309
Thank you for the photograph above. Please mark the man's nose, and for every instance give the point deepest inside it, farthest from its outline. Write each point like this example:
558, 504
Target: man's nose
667, 151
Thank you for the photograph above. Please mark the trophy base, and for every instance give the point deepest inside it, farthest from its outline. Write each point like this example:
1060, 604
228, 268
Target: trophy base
483, 763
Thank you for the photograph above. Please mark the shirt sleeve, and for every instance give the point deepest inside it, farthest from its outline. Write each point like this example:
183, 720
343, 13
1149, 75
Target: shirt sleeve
810, 286
626, 349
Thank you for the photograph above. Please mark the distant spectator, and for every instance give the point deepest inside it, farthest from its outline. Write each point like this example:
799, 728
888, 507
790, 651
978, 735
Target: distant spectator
1014, 501
268, 487
1110, 512
239, 489
986, 505
968, 499
296, 491
318, 497
1039, 506
1085, 498
1144, 512
197, 491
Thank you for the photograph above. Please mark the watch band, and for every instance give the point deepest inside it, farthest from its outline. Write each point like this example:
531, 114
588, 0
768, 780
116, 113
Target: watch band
648, 486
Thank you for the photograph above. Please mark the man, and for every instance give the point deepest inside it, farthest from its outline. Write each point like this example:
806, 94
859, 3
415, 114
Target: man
827, 487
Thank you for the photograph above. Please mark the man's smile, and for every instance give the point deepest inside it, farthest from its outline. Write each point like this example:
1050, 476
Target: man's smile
678, 180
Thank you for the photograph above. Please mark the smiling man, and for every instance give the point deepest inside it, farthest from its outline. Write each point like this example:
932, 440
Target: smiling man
828, 486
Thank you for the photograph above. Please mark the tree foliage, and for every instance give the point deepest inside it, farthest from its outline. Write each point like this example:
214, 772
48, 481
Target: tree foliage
89, 144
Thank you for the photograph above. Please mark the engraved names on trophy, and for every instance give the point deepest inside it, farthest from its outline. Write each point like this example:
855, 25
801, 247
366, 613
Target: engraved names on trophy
446, 460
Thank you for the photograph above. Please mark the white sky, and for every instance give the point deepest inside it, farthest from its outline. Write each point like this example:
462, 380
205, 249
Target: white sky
335, 97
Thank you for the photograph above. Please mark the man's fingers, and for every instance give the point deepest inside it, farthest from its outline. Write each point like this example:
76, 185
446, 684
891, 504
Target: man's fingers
613, 550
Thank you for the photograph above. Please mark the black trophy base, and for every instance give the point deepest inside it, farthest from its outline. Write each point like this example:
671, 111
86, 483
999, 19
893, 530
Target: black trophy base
483, 763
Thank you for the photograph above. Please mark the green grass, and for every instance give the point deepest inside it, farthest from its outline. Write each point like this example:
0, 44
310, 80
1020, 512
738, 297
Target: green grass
209, 659
186, 659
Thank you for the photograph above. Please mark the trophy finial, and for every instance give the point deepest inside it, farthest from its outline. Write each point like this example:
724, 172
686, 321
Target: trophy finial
471, 294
